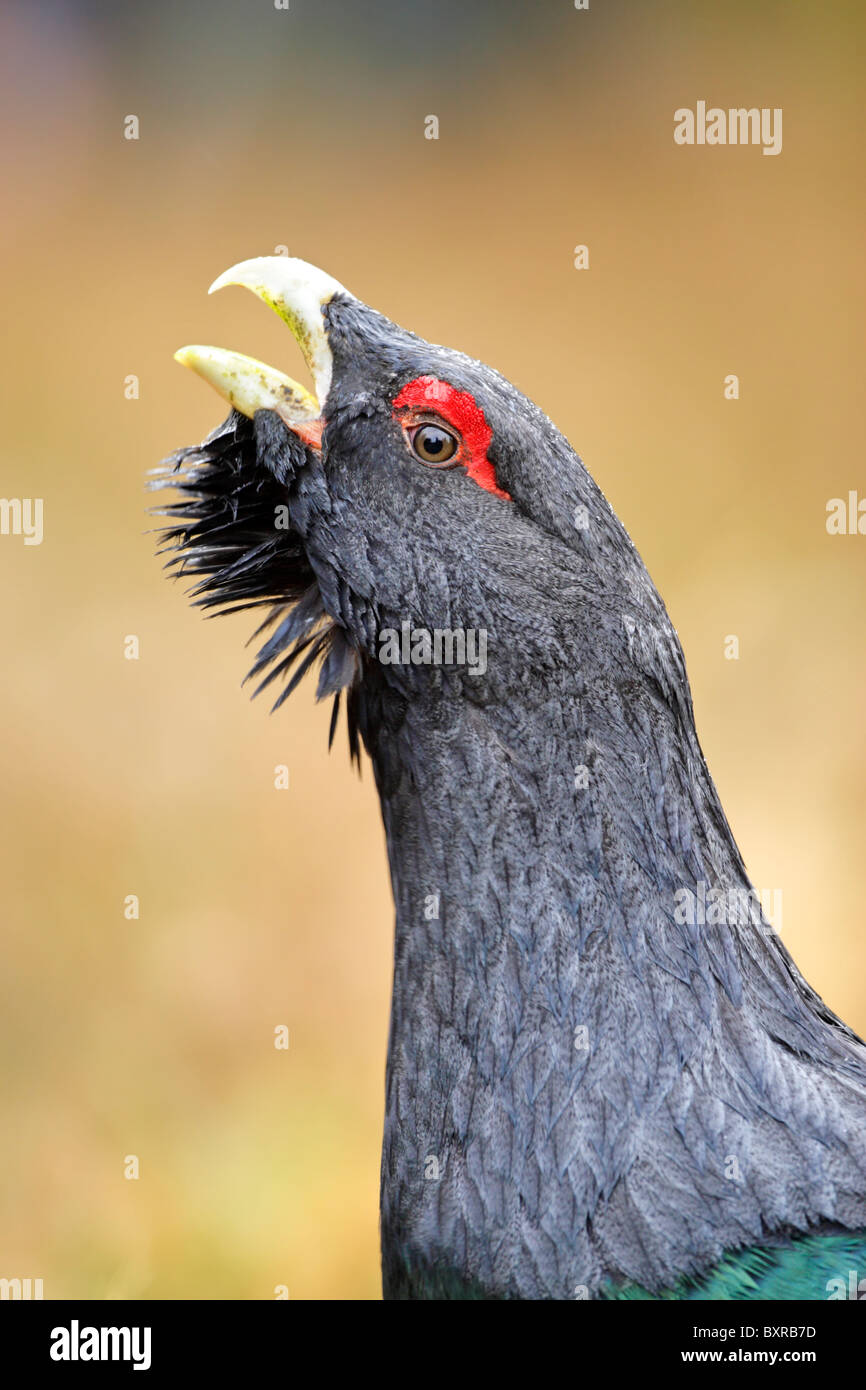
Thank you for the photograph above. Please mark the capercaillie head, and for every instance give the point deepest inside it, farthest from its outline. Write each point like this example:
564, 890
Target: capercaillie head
420, 492
575, 1055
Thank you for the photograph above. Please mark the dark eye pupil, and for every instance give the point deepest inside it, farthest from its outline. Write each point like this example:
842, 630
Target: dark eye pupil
435, 442
434, 445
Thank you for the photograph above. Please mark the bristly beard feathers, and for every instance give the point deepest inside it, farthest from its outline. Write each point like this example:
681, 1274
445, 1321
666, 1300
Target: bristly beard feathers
224, 533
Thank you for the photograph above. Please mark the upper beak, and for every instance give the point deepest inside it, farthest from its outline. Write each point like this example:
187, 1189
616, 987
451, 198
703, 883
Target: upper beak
299, 293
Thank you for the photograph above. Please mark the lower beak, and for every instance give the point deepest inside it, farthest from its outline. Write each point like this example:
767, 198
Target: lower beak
298, 292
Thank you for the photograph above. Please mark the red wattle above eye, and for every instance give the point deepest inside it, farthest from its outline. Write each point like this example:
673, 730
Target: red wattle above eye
458, 409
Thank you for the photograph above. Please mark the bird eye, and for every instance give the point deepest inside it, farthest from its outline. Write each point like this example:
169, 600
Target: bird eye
434, 445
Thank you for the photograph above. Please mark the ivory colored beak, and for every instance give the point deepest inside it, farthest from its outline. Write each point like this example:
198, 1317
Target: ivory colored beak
249, 385
298, 292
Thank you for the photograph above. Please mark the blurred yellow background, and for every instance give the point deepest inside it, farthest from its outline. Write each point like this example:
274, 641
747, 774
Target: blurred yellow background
305, 128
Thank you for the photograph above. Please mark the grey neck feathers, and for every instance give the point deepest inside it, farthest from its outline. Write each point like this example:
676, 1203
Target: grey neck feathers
586, 1080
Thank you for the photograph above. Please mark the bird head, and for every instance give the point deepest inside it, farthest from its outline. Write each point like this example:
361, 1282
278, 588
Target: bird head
415, 491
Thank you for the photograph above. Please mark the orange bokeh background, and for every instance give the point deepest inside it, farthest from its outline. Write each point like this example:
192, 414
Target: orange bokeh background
260, 907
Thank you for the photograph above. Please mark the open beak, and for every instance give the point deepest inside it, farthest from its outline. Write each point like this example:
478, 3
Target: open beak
298, 292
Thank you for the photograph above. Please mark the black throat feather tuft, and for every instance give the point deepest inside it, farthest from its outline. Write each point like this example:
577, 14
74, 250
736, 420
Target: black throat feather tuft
225, 532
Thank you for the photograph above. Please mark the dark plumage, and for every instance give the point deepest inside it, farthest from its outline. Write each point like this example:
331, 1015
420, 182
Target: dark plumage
584, 1091
227, 538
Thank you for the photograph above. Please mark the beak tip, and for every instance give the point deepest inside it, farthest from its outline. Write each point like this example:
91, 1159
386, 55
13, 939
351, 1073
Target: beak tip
298, 292
246, 273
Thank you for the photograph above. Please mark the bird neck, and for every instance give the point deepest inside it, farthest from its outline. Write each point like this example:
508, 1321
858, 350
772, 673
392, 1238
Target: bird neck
558, 1011
535, 855
499, 816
